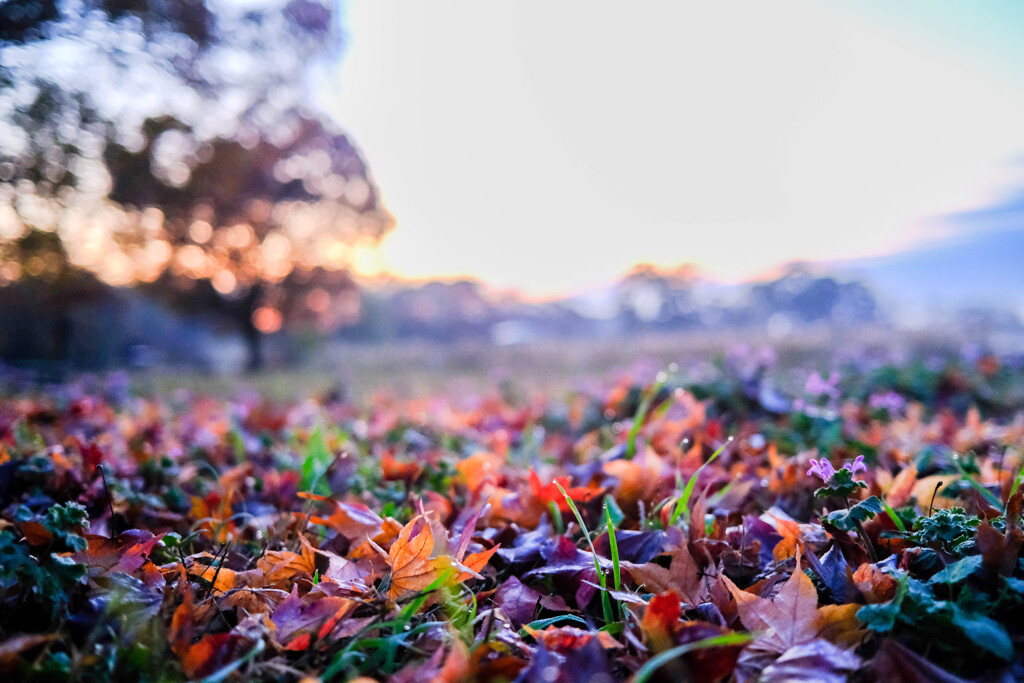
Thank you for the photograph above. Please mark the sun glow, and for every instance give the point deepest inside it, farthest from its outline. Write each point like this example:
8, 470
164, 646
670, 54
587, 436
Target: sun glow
580, 139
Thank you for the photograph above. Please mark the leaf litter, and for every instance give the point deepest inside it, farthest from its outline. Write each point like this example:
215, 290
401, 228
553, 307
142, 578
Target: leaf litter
646, 530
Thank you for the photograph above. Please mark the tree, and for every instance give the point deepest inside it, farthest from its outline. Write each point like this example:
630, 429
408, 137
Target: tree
184, 158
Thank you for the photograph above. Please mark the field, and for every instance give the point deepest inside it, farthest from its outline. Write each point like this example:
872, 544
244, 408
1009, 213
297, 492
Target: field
546, 514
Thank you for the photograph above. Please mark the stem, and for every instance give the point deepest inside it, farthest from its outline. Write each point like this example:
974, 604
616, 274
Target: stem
863, 535
866, 541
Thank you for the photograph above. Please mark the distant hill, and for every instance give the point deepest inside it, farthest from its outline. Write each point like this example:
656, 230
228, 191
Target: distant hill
982, 268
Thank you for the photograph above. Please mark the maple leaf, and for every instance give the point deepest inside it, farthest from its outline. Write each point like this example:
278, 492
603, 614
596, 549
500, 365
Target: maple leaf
128, 552
637, 479
201, 566
215, 516
659, 620
564, 638
297, 619
395, 470
682, 577
371, 546
474, 562
517, 600
902, 487
280, 567
351, 520
549, 493
874, 584
412, 567
791, 539
212, 652
480, 469
793, 617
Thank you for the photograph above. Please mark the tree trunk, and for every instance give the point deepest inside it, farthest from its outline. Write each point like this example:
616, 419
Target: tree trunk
253, 337
253, 345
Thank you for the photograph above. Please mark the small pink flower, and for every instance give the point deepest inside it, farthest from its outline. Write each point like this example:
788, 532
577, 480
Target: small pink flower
823, 469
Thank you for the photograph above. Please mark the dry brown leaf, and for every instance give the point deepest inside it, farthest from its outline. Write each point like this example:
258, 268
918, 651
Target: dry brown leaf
792, 616
902, 487
683, 577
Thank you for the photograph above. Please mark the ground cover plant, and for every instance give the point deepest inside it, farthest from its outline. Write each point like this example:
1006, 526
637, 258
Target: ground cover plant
859, 524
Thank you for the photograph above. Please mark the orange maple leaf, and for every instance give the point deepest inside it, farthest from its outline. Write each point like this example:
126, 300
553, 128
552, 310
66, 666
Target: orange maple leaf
791, 541
214, 515
412, 567
474, 562
479, 469
902, 487
212, 652
549, 493
395, 470
280, 567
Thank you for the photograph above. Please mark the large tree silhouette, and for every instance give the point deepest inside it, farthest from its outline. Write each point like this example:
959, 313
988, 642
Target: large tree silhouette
170, 144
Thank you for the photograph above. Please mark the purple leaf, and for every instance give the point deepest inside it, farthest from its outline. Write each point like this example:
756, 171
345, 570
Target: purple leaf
517, 601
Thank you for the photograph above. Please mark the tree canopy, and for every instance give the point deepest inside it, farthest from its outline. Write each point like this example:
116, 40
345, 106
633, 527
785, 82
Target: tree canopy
173, 142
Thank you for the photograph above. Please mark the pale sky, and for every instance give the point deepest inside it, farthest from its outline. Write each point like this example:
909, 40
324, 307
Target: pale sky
550, 145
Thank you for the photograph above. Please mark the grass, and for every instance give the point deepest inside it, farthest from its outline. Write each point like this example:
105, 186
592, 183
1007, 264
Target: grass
683, 504
658, 661
606, 601
421, 369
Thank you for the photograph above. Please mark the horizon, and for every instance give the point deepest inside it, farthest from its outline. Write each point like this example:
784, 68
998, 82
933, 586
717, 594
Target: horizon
550, 171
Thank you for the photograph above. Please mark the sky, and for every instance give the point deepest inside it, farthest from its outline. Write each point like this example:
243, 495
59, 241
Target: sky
550, 146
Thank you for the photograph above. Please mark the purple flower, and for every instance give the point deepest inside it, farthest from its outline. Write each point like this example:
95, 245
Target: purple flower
816, 385
823, 468
889, 401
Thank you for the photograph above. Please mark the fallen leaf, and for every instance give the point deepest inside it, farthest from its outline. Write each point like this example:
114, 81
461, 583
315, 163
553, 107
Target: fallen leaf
478, 469
517, 601
12, 648
412, 567
682, 577
660, 618
351, 520
212, 652
902, 487
395, 470
791, 541
874, 584
792, 616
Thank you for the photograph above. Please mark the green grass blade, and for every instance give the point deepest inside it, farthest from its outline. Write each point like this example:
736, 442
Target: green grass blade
556, 518
894, 517
613, 544
550, 621
606, 603
656, 662
641, 415
1017, 482
985, 493
682, 505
